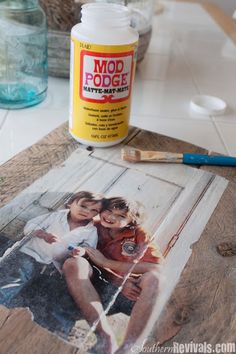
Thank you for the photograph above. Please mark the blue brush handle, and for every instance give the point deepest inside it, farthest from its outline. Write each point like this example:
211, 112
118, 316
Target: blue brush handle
199, 159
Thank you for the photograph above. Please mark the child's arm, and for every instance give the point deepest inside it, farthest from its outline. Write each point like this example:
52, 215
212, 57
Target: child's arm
90, 241
121, 267
41, 222
146, 259
49, 238
37, 227
125, 267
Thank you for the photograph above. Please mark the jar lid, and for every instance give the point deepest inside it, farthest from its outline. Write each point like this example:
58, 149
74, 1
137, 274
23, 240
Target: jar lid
107, 14
208, 105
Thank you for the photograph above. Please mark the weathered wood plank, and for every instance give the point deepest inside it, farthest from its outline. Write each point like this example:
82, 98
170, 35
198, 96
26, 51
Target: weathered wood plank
105, 178
203, 304
19, 334
177, 174
202, 307
98, 175
40, 187
153, 141
197, 174
94, 172
27, 166
24, 168
226, 172
175, 204
50, 190
58, 184
135, 185
181, 210
179, 255
94, 175
14, 229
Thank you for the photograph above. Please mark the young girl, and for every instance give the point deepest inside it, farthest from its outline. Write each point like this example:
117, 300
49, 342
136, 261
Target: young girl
51, 238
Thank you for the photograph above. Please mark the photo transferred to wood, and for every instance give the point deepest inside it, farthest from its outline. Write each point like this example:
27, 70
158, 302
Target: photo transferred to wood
96, 246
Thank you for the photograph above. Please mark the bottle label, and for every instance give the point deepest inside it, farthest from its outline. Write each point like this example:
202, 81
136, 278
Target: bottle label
101, 85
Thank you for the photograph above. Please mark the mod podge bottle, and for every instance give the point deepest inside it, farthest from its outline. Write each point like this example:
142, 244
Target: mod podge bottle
103, 54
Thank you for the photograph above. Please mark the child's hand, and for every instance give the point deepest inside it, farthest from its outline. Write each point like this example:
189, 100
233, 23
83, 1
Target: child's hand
47, 237
96, 257
78, 251
131, 290
50, 238
75, 252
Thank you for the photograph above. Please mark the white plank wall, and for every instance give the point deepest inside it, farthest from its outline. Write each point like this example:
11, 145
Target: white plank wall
175, 173
168, 199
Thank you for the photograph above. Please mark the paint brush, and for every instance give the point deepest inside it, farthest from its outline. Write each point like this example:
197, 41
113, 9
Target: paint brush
136, 155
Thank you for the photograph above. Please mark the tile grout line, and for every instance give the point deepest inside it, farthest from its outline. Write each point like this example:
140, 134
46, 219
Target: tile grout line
199, 91
163, 117
176, 43
220, 135
4, 120
189, 68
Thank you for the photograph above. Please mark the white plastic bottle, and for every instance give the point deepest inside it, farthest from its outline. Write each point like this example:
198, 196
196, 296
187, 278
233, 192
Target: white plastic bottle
103, 56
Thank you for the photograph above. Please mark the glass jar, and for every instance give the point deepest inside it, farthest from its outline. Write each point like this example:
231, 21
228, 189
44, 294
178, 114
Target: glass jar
23, 53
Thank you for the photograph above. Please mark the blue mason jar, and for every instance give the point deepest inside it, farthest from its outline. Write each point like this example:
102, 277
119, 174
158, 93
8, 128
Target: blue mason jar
23, 54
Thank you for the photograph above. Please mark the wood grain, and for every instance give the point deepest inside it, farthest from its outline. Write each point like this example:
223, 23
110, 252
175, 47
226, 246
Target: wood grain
224, 171
24, 168
19, 334
27, 166
202, 307
204, 300
207, 285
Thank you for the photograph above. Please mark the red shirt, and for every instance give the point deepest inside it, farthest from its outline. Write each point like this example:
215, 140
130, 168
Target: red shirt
129, 245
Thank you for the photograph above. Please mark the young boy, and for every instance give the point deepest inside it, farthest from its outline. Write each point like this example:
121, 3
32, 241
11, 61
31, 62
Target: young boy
51, 238
56, 232
121, 239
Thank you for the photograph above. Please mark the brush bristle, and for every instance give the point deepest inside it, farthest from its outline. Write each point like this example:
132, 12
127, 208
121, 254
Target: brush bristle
131, 154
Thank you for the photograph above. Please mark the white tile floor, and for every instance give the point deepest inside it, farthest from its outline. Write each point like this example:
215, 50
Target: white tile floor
188, 54
202, 133
3, 115
162, 99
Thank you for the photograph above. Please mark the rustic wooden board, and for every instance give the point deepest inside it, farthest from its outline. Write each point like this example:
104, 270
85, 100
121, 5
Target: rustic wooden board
19, 334
202, 307
190, 301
